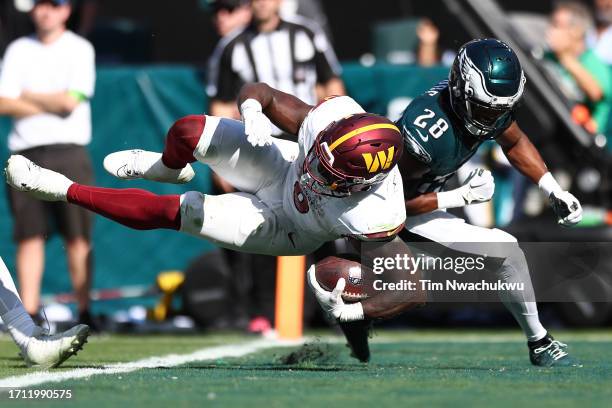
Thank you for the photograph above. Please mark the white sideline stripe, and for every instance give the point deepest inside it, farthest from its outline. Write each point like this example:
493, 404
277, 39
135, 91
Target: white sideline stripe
171, 360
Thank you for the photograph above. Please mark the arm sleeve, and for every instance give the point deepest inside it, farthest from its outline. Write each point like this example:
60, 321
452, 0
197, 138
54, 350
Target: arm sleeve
10, 74
83, 78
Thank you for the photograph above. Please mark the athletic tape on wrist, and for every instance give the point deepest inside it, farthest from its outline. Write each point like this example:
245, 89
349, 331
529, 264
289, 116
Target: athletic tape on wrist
549, 185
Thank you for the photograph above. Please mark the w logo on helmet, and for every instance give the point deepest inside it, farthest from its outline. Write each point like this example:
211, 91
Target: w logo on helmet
382, 160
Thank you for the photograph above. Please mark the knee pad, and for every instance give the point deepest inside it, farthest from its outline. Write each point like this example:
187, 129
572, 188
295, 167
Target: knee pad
192, 212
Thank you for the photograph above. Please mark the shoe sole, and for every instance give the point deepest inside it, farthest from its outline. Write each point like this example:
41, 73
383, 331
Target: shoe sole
76, 345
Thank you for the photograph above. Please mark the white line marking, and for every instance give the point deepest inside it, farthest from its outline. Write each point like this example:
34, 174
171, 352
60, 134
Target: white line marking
171, 360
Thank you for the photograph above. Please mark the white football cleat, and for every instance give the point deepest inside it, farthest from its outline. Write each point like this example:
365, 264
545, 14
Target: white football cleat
136, 164
44, 184
50, 351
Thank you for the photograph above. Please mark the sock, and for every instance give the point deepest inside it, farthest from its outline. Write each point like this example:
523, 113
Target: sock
134, 208
181, 141
541, 342
521, 304
20, 325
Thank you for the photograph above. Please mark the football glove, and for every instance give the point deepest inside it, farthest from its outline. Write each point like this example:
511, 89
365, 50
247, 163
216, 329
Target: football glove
566, 207
332, 303
257, 126
478, 188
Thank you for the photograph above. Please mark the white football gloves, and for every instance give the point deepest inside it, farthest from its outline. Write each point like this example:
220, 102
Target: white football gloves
332, 303
478, 188
567, 208
257, 126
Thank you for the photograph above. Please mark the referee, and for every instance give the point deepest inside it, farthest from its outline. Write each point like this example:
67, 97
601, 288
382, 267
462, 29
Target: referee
287, 55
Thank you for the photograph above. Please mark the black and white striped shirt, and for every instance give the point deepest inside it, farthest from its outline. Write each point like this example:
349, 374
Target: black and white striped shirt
293, 58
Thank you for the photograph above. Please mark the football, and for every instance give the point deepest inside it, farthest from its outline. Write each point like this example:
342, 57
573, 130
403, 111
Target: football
332, 268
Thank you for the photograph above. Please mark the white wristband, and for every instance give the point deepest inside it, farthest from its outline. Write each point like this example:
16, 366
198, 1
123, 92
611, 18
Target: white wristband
250, 104
351, 312
450, 199
549, 185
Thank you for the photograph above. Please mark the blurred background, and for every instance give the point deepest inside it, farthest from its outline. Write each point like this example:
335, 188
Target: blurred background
153, 65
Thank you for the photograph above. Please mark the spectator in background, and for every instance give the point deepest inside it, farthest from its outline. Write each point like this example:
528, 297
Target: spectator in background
230, 17
288, 56
46, 82
428, 34
583, 77
603, 23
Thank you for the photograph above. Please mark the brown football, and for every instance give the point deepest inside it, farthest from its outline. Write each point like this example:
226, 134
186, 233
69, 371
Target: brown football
332, 268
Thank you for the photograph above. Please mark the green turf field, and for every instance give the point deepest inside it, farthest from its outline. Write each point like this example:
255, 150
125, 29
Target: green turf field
441, 368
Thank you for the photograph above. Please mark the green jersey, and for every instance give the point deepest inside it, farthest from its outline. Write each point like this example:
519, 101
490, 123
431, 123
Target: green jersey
435, 135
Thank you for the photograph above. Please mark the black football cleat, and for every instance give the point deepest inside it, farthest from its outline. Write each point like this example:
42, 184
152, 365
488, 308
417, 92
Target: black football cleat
549, 352
357, 334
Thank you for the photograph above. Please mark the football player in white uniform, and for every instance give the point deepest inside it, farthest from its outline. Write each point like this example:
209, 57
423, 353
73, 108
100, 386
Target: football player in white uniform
37, 348
442, 130
339, 180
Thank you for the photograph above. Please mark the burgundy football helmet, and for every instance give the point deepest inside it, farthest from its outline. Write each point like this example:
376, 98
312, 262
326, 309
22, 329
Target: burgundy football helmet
351, 155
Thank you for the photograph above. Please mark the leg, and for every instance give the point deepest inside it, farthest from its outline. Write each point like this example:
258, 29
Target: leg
172, 166
242, 222
30, 264
134, 208
13, 314
217, 142
29, 229
455, 233
77, 251
237, 221
224, 147
37, 348
75, 223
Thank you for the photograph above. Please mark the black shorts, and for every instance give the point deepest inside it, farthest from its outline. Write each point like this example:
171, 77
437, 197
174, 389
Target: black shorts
33, 218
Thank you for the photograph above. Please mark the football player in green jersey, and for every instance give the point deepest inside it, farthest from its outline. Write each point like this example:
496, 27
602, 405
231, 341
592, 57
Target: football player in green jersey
442, 130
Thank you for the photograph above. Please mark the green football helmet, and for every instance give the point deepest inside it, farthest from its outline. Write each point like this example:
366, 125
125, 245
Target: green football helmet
486, 82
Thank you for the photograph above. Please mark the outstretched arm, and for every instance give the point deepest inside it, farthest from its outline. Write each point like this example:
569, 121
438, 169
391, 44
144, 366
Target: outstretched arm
523, 155
284, 110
